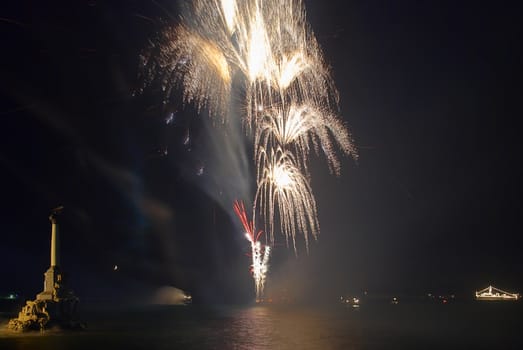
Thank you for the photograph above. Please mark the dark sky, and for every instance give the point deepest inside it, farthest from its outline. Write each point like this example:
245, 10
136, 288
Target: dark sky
431, 91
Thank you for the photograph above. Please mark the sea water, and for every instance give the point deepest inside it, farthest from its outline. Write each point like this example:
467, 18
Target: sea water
472, 325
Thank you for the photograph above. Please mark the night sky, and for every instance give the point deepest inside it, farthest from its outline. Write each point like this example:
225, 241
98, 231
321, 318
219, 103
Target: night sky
431, 91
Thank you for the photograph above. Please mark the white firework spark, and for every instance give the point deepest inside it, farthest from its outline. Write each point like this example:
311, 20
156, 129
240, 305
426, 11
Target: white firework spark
300, 127
284, 189
260, 265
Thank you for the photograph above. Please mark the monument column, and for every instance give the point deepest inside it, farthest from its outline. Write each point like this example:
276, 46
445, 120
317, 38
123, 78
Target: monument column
53, 274
55, 242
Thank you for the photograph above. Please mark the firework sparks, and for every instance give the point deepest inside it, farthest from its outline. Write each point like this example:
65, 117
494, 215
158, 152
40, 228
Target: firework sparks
290, 99
260, 253
283, 187
299, 127
268, 42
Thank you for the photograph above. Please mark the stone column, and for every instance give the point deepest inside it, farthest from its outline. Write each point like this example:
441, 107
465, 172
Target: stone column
55, 242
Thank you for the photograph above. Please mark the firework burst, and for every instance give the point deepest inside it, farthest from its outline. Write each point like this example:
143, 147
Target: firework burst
290, 101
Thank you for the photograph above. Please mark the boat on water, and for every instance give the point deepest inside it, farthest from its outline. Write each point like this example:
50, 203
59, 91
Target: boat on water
494, 294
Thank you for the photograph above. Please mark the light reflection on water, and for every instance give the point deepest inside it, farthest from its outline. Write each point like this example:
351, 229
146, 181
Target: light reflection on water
277, 327
263, 327
252, 328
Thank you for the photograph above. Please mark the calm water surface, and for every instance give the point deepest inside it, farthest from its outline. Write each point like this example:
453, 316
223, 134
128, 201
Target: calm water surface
410, 326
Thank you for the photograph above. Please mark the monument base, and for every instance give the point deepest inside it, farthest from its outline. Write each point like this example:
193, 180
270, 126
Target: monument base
42, 314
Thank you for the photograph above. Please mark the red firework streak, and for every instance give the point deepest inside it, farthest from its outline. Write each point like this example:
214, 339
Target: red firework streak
239, 209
